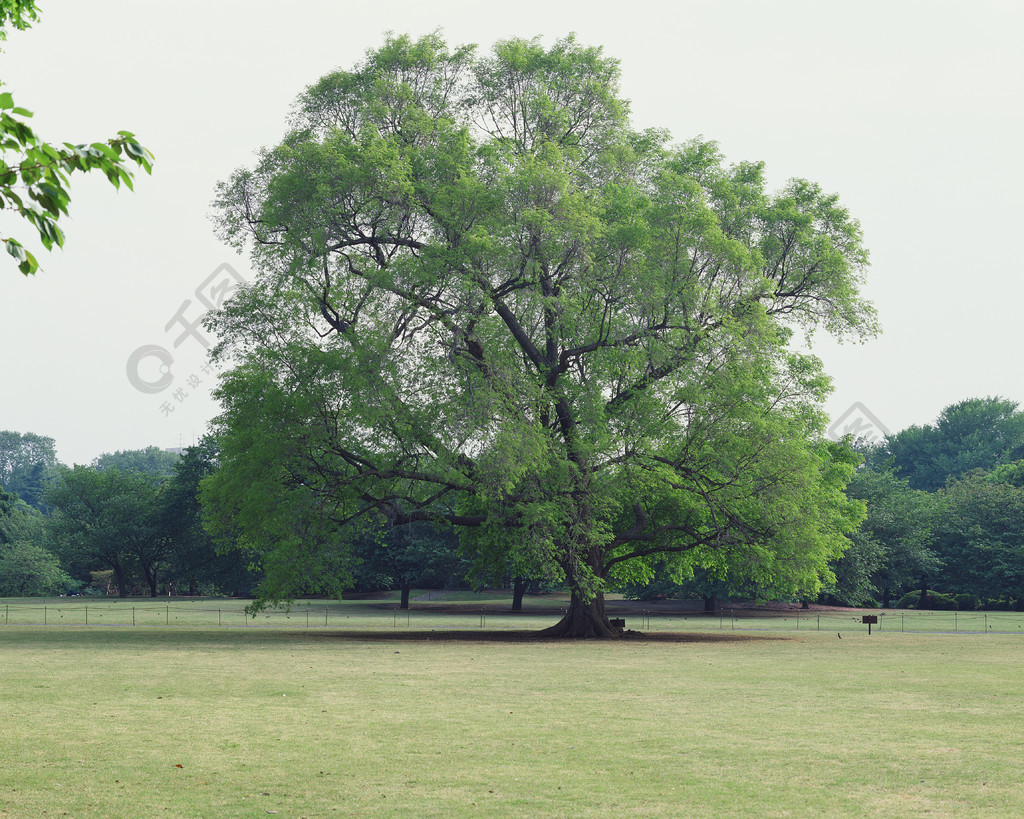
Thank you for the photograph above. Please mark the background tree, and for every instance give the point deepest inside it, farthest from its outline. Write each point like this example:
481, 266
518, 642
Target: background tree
34, 175
483, 299
980, 539
194, 562
413, 555
27, 568
892, 549
979, 433
27, 463
109, 519
152, 461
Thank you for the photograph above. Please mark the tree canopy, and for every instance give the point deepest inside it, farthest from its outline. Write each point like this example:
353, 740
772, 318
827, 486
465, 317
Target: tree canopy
977, 433
482, 298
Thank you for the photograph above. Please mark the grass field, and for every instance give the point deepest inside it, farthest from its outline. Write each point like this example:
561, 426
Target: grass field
205, 721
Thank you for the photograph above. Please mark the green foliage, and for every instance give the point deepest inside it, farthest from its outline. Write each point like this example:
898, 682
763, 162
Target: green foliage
893, 547
195, 563
35, 174
980, 538
27, 463
152, 461
30, 570
18, 520
934, 601
108, 519
19, 14
483, 299
27, 568
979, 433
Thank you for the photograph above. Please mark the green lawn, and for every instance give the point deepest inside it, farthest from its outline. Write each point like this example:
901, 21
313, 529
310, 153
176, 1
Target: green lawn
96, 722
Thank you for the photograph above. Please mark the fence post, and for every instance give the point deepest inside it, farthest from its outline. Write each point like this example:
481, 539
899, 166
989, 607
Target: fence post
44, 615
87, 615
325, 615
955, 627
133, 615
7, 611
218, 617
819, 622
307, 616
167, 616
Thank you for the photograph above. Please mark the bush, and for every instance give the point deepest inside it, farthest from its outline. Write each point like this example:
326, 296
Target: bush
935, 601
967, 602
1000, 604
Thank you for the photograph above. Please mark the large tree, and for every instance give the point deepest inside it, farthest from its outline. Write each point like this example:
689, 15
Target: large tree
483, 298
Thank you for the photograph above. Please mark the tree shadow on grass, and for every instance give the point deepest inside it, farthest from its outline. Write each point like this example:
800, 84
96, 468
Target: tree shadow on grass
509, 636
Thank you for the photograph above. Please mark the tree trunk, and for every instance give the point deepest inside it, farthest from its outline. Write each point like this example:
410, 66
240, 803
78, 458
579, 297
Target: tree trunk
710, 604
886, 597
518, 590
924, 596
406, 588
122, 581
584, 620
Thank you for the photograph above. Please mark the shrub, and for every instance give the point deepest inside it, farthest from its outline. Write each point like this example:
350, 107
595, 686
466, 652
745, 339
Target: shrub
1000, 604
934, 601
967, 602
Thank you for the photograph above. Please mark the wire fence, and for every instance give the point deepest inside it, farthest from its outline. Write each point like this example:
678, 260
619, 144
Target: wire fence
347, 617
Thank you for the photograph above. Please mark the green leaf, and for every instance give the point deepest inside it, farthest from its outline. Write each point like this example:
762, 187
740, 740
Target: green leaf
16, 250
6, 100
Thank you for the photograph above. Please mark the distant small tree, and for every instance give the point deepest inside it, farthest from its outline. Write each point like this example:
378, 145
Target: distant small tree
410, 555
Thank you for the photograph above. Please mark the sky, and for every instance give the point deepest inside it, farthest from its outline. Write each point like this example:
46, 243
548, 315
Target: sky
910, 110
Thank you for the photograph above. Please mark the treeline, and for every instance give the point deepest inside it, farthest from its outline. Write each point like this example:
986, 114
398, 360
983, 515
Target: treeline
944, 528
945, 514
131, 524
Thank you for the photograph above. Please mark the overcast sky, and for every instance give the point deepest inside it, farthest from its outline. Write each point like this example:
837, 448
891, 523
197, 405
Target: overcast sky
911, 111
